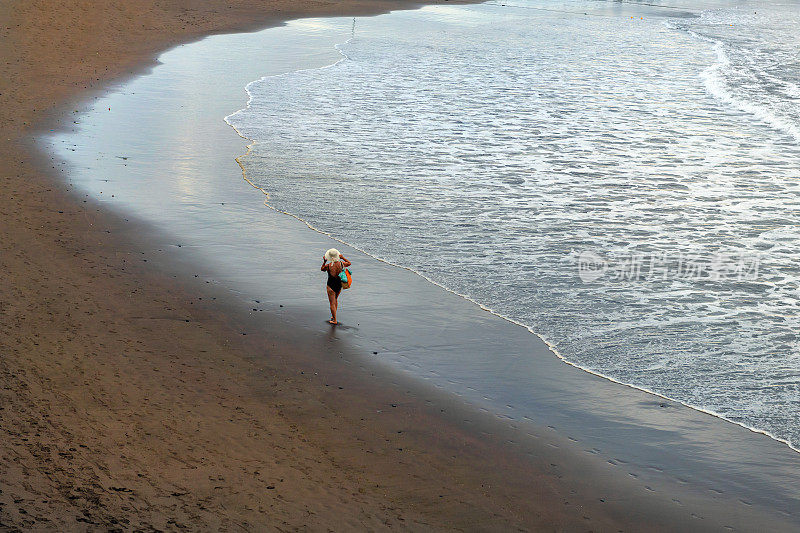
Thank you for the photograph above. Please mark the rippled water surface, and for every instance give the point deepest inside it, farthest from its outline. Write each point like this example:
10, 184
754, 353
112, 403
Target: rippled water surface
621, 178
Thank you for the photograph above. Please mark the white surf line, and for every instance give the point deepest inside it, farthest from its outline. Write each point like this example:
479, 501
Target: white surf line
714, 85
549, 345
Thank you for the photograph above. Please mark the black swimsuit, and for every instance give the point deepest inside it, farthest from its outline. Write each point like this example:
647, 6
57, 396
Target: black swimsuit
334, 282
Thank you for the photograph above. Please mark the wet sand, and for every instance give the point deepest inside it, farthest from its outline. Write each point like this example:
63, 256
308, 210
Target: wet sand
131, 400
137, 395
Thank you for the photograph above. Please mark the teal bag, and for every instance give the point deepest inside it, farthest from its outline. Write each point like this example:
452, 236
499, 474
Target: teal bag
346, 277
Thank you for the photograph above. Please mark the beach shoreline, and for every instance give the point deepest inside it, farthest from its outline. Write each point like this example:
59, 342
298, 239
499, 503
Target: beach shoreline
150, 328
94, 435
69, 462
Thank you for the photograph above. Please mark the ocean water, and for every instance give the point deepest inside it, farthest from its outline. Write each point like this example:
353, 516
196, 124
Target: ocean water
620, 178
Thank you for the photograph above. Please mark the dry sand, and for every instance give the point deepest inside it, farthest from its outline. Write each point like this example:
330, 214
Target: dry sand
131, 400
126, 404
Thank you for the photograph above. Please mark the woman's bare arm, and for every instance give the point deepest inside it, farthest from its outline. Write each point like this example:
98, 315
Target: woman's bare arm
345, 262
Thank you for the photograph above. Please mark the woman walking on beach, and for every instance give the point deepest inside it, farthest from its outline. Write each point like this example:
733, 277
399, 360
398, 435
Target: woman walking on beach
334, 264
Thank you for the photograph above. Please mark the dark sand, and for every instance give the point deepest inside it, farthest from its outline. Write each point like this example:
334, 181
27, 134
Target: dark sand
131, 398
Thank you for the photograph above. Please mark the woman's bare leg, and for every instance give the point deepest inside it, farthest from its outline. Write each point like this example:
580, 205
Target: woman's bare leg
332, 300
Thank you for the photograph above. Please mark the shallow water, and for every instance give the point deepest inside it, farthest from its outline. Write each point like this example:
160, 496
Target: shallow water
622, 179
